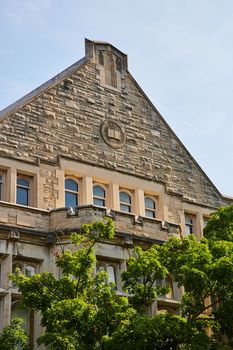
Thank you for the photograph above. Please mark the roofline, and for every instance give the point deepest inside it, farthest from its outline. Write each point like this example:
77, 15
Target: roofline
12, 108
173, 133
99, 42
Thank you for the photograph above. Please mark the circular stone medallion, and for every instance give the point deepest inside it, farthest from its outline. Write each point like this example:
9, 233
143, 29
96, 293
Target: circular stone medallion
113, 134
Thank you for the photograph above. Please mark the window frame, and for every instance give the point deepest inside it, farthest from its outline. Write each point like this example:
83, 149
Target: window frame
153, 211
105, 263
23, 267
29, 195
95, 184
189, 226
2, 185
129, 205
77, 181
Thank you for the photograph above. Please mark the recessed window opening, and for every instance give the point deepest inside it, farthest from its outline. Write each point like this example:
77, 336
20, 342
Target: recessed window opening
125, 202
99, 196
1, 186
150, 207
189, 224
23, 190
71, 193
111, 268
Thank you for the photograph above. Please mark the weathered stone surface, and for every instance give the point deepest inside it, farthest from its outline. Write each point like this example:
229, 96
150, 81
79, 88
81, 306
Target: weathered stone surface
34, 133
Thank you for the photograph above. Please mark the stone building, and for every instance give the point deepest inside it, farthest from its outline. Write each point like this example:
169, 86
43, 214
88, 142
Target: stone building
88, 144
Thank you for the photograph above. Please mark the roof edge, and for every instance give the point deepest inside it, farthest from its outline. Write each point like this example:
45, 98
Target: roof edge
12, 108
174, 134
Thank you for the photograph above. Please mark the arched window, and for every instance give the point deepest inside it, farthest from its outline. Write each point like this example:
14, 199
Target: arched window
23, 191
111, 268
71, 193
99, 196
150, 207
125, 202
30, 270
25, 268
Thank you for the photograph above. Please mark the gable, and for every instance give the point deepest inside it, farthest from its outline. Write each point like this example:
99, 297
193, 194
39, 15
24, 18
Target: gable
100, 116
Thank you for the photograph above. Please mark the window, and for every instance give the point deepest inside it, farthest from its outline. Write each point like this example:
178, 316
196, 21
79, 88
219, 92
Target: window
1, 186
23, 190
28, 269
111, 268
205, 221
189, 224
110, 72
99, 196
166, 282
150, 207
125, 202
17, 311
71, 193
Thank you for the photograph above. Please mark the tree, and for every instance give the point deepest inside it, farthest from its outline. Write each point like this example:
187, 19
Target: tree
83, 311
14, 336
78, 309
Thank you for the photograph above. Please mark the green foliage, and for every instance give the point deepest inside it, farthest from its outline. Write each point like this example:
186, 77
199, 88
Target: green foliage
144, 268
82, 311
14, 336
220, 227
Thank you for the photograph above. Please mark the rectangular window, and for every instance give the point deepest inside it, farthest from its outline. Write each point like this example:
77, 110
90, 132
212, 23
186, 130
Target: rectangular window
23, 190
189, 224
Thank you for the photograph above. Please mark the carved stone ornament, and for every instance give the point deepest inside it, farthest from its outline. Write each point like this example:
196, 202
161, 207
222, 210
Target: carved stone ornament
113, 134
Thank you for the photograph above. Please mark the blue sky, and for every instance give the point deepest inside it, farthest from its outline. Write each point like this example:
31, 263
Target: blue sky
179, 51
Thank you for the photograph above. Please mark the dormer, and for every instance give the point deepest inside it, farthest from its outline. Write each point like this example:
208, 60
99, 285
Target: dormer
111, 63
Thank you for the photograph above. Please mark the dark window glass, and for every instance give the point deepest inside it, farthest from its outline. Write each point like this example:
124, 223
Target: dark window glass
125, 202
150, 207
22, 196
71, 193
189, 225
98, 196
1, 187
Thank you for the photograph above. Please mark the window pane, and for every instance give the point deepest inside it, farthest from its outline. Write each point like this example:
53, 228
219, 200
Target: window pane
150, 213
99, 267
125, 197
71, 185
99, 202
98, 191
22, 196
188, 220
22, 182
0, 191
111, 274
149, 203
30, 271
125, 207
18, 312
71, 199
